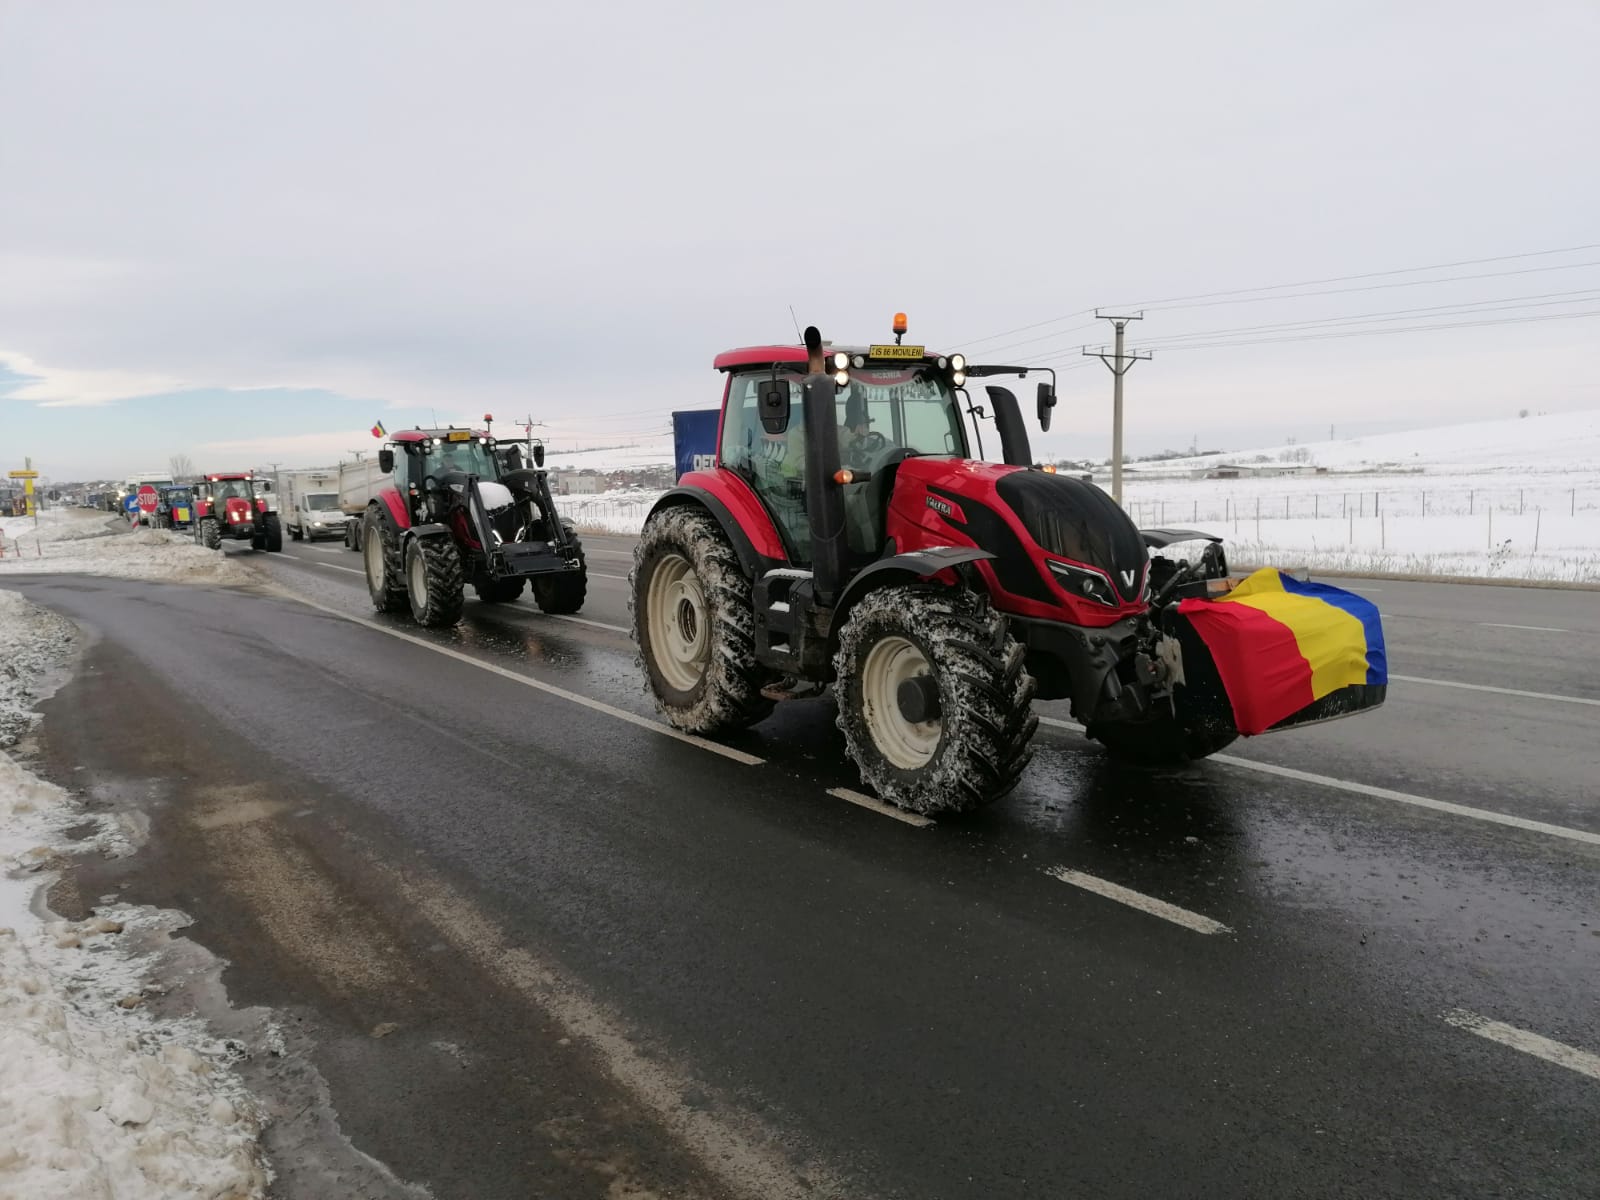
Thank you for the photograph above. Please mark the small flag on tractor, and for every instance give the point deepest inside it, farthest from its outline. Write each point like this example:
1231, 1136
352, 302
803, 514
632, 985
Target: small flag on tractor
378, 430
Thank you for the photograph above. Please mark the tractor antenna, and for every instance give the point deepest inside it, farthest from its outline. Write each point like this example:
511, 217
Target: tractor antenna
797, 334
435, 413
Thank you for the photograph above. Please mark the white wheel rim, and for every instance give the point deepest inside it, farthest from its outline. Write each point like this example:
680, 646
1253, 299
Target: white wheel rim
374, 561
417, 577
680, 638
907, 745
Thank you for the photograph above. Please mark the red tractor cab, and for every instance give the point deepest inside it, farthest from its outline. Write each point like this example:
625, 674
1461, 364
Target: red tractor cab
232, 506
464, 508
850, 534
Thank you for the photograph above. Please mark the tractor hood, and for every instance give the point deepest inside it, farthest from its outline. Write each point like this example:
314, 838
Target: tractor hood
1076, 520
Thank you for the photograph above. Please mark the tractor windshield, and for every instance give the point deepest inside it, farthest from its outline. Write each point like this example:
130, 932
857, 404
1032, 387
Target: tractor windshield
467, 458
232, 489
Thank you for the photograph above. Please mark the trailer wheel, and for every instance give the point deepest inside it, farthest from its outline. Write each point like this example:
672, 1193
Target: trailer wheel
273, 539
499, 591
693, 618
296, 533
563, 592
210, 533
433, 580
382, 562
934, 703
1162, 742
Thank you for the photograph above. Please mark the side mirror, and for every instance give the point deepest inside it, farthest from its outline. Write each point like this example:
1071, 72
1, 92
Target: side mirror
1047, 401
386, 460
773, 403
538, 454
266, 485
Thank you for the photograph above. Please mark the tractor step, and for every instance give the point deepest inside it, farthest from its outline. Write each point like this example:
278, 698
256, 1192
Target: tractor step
790, 688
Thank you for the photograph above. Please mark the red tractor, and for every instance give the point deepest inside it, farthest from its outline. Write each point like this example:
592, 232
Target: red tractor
234, 506
464, 509
861, 544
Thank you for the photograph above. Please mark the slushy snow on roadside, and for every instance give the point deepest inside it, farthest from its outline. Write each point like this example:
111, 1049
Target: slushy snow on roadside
98, 1098
84, 542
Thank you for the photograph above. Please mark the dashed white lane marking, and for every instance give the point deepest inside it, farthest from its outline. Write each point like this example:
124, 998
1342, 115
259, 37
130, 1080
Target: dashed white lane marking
1382, 793
1530, 628
1498, 691
587, 621
332, 566
879, 807
1559, 1053
1138, 900
628, 554
329, 549
537, 685
601, 575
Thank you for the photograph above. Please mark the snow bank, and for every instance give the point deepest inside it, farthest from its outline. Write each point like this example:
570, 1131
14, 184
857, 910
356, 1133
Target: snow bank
621, 511
99, 1098
97, 544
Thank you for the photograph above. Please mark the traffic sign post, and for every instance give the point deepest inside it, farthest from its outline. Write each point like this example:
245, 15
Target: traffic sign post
30, 509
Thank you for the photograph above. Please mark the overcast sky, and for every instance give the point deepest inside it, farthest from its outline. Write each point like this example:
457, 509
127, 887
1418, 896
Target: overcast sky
246, 236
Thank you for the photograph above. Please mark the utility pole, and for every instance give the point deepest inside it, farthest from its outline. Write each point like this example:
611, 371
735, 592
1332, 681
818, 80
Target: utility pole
1119, 363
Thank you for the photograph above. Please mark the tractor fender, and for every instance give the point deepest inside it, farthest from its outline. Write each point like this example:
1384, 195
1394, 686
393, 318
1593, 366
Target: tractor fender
417, 531
901, 568
755, 563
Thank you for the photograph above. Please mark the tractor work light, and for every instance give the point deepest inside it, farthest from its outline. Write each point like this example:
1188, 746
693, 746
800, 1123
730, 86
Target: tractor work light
958, 378
860, 360
841, 361
958, 363
841, 378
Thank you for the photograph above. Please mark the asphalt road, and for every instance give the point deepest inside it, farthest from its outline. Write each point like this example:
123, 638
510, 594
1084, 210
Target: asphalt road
615, 959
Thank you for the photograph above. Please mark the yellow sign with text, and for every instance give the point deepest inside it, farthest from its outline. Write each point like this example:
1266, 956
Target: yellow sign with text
901, 352
24, 474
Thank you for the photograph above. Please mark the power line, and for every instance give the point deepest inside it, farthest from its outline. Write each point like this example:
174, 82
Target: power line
1502, 304
1174, 300
1320, 337
1466, 262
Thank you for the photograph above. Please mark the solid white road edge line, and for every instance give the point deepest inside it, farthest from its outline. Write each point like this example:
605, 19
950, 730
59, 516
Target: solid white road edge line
1530, 628
1562, 1055
1380, 793
1499, 691
1138, 900
538, 685
879, 807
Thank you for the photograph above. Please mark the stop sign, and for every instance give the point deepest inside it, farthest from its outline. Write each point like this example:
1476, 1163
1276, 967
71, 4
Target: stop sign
147, 499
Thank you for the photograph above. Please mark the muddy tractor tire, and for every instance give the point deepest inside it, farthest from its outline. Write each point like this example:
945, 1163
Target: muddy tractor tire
210, 533
272, 542
934, 702
434, 584
380, 555
693, 618
499, 591
1162, 742
566, 592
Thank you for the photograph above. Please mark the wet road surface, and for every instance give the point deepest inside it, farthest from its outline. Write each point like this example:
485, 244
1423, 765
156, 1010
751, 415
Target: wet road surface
658, 966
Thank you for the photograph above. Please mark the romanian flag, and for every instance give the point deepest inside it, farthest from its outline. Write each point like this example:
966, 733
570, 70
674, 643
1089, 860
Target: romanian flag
1281, 645
378, 430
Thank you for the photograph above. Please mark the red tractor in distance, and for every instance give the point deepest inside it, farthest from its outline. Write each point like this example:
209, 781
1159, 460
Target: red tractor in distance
862, 544
463, 509
233, 506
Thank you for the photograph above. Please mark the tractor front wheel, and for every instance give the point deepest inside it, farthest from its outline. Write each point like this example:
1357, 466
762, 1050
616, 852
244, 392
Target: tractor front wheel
210, 533
273, 539
499, 591
433, 580
936, 708
382, 562
563, 592
693, 619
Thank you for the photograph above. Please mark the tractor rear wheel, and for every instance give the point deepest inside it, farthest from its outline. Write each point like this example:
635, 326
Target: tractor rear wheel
273, 540
433, 580
936, 708
210, 533
499, 591
693, 618
382, 561
564, 592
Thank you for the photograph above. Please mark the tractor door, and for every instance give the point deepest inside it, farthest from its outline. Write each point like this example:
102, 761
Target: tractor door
774, 465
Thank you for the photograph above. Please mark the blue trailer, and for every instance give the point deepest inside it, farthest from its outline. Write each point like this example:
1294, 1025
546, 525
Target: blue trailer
694, 439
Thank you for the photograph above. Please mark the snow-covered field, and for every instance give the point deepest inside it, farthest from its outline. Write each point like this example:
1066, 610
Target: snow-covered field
98, 1098
80, 541
1512, 499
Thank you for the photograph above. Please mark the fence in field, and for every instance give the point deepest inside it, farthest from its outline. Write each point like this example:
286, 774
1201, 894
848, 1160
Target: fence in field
1290, 505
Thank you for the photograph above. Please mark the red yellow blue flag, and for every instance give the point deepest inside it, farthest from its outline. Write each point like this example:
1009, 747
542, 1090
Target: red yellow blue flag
378, 430
1281, 644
